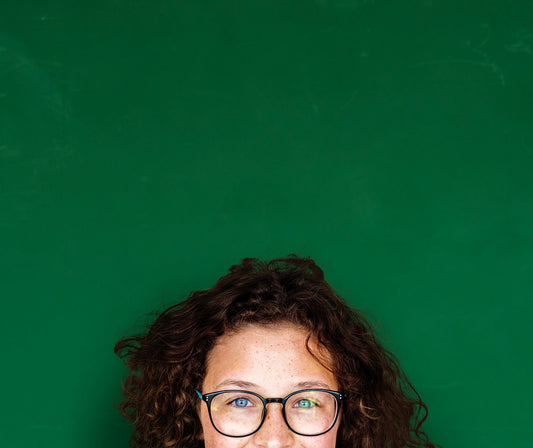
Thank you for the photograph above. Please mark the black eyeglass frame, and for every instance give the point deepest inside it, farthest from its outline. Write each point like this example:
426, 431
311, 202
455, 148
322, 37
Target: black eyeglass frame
339, 396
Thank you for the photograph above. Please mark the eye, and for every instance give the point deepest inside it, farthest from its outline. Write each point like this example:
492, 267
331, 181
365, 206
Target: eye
241, 402
305, 403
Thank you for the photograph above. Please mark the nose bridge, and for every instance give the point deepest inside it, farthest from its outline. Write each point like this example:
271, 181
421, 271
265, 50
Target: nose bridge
274, 432
273, 400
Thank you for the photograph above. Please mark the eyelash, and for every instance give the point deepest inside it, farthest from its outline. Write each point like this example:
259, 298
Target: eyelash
233, 402
311, 403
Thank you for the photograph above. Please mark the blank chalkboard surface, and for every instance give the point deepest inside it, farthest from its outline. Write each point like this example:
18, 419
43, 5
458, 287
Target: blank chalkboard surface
145, 146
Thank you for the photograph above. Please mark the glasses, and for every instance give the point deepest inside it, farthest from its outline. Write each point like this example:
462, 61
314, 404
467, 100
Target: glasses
239, 413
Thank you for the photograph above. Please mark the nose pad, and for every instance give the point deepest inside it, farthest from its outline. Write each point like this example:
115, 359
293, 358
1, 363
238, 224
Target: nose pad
274, 432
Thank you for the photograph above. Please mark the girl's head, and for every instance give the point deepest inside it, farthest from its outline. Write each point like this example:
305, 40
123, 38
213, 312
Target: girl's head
270, 328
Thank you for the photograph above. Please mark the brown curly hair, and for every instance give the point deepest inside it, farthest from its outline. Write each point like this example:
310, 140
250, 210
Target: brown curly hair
167, 364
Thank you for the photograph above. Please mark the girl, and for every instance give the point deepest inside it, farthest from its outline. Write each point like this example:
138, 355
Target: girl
269, 357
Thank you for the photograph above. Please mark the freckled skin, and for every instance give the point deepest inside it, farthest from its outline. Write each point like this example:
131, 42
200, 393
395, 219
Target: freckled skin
275, 360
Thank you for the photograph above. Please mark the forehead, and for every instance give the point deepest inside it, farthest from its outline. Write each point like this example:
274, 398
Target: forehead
271, 359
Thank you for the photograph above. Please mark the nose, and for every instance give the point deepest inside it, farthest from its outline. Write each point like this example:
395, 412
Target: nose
274, 432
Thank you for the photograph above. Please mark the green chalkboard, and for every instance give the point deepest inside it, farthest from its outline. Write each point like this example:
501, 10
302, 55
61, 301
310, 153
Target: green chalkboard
145, 146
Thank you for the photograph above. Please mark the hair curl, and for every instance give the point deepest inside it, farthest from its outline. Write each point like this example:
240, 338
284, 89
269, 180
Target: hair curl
167, 364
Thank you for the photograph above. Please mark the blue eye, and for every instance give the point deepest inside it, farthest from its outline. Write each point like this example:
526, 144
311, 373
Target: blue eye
241, 402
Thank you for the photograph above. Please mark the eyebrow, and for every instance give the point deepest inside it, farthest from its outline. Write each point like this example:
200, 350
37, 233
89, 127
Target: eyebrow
313, 385
248, 385
236, 383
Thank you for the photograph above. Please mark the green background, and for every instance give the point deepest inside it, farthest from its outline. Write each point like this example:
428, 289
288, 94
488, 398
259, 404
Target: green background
145, 146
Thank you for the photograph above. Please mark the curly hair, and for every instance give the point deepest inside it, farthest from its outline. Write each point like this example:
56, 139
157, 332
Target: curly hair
168, 363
